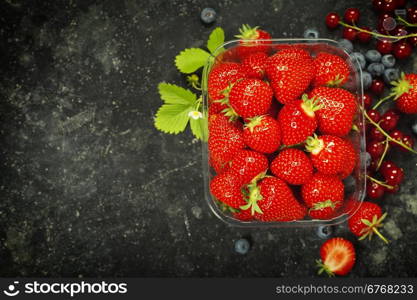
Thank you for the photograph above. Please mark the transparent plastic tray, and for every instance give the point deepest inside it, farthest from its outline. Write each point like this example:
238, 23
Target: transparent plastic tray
354, 85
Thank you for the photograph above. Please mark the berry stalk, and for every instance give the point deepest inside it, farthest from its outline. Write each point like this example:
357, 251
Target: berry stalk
380, 182
381, 159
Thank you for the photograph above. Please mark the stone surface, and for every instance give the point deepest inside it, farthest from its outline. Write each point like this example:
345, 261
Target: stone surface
90, 188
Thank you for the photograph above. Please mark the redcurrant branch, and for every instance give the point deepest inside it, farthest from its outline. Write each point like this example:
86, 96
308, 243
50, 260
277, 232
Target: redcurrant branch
405, 22
381, 159
380, 182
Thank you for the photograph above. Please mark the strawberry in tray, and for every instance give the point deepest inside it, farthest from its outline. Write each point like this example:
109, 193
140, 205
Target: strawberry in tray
331, 70
338, 108
290, 72
292, 166
323, 195
251, 41
262, 134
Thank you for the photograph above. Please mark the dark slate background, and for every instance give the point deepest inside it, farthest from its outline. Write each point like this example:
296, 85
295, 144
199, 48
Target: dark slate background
90, 188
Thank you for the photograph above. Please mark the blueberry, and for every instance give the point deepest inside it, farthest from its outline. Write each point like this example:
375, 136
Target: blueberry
360, 58
242, 246
373, 56
208, 15
366, 80
376, 69
388, 60
311, 34
324, 231
391, 74
346, 44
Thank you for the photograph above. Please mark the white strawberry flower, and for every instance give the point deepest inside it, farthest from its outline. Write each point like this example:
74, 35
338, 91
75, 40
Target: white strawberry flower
195, 114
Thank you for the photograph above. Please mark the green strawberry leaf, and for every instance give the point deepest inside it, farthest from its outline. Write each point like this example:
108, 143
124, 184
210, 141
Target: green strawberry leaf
191, 59
216, 39
172, 118
174, 94
199, 127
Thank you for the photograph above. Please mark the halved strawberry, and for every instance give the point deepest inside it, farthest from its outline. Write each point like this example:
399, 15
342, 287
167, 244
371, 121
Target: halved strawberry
293, 166
337, 257
297, 120
262, 134
331, 70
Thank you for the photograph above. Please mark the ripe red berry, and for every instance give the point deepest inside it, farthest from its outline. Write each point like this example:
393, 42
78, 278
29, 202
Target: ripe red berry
388, 5
399, 30
332, 20
375, 149
374, 115
377, 86
412, 15
374, 190
396, 135
364, 37
352, 15
377, 4
389, 120
386, 22
367, 100
384, 46
349, 33
400, 3
408, 140
376, 135
412, 40
394, 176
386, 166
402, 49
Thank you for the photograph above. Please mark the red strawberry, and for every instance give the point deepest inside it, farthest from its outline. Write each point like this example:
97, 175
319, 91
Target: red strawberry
225, 139
335, 117
323, 194
221, 76
297, 120
405, 91
328, 153
262, 134
337, 257
216, 107
218, 165
256, 63
250, 97
226, 187
273, 200
351, 205
243, 215
249, 41
290, 73
293, 166
293, 51
247, 164
350, 160
331, 70
366, 220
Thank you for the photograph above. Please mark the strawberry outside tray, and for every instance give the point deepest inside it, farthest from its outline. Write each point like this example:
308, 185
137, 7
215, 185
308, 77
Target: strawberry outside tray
252, 213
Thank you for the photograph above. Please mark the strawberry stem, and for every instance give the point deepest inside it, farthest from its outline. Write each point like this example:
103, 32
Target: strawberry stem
377, 34
253, 122
247, 32
382, 101
372, 227
380, 235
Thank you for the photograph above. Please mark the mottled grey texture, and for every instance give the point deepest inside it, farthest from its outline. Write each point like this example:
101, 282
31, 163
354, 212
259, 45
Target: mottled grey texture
90, 188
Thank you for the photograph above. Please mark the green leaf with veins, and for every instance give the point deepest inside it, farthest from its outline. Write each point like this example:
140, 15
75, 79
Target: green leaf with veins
191, 59
174, 94
216, 39
172, 118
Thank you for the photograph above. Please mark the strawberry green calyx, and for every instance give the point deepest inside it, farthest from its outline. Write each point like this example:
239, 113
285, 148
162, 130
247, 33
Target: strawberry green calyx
253, 196
314, 144
253, 122
310, 105
323, 268
401, 86
226, 208
229, 111
336, 81
323, 205
248, 33
372, 227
